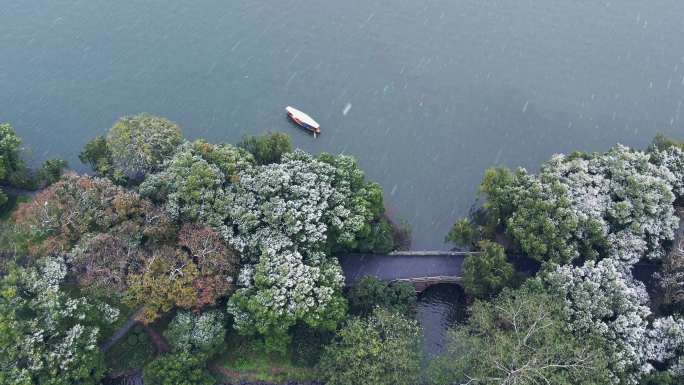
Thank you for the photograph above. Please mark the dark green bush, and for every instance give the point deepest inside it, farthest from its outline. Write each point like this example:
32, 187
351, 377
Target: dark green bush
267, 148
371, 292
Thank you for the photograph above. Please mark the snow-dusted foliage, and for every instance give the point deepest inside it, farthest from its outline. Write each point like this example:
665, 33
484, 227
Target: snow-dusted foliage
617, 204
604, 299
285, 289
666, 339
625, 193
139, 144
194, 179
671, 158
296, 203
190, 332
281, 217
49, 337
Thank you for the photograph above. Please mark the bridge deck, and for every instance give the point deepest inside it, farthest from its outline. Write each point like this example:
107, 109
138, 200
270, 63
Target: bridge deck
401, 266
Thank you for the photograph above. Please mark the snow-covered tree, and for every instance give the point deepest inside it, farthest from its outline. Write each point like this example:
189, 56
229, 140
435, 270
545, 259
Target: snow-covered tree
617, 204
189, 332
281, 217
605, 299
49, 337
195, 178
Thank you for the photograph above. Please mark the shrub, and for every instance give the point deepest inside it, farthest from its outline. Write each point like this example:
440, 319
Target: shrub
267, 148
383, 349
178, 369
463, 233
370, 292
520, 338
134, 147
51, 171
189, 332
486, 274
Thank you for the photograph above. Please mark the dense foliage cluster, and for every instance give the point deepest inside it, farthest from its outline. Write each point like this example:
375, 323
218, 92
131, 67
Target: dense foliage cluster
616, 204
49, 336
604, 299
134, 147
178, 369
268, 148
519, 338
192, 333
617, 208
383, 349
9, 155
281, 217
168, 223
487, 273
117, 242
370, 293
193, 182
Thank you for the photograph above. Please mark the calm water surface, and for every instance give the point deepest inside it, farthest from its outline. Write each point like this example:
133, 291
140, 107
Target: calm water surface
439, 308
426, 94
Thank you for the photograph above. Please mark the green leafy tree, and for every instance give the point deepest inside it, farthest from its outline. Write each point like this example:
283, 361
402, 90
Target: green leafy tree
178, 369
379, 240
520, 338
589, 206
364, 199
9, 155
463, 233
96, 154
486, 274
267, 148
370, 292
192, 183
204, 333
663, 142
496, 187
49, 337
134, 147
383, 349
51, 171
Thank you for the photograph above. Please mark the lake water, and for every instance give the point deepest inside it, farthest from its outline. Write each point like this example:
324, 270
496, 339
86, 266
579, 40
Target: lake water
425, 94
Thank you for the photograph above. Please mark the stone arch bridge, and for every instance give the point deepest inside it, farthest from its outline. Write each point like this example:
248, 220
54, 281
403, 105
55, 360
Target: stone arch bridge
421, 268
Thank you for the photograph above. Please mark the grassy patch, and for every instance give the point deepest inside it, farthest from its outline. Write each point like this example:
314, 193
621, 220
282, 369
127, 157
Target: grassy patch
12, 202
246, 359
133, 351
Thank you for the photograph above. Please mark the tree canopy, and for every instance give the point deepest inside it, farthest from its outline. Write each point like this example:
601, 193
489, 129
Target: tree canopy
604, 299
383, 349
133, 147
616, 204
178, 369
193, 333
49, 337
9, 155
519, 338
370, 292
121, 244
485, 274
267, 148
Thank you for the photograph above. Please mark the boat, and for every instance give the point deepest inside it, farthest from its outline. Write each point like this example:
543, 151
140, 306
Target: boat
303, 120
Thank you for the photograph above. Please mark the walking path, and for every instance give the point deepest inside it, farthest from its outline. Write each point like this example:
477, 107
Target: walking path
122, 331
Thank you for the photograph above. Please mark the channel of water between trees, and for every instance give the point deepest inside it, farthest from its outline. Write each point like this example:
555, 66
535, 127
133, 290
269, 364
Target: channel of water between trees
439, 308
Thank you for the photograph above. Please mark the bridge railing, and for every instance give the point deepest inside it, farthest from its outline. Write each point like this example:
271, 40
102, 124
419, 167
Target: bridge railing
439, 278
434, 252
